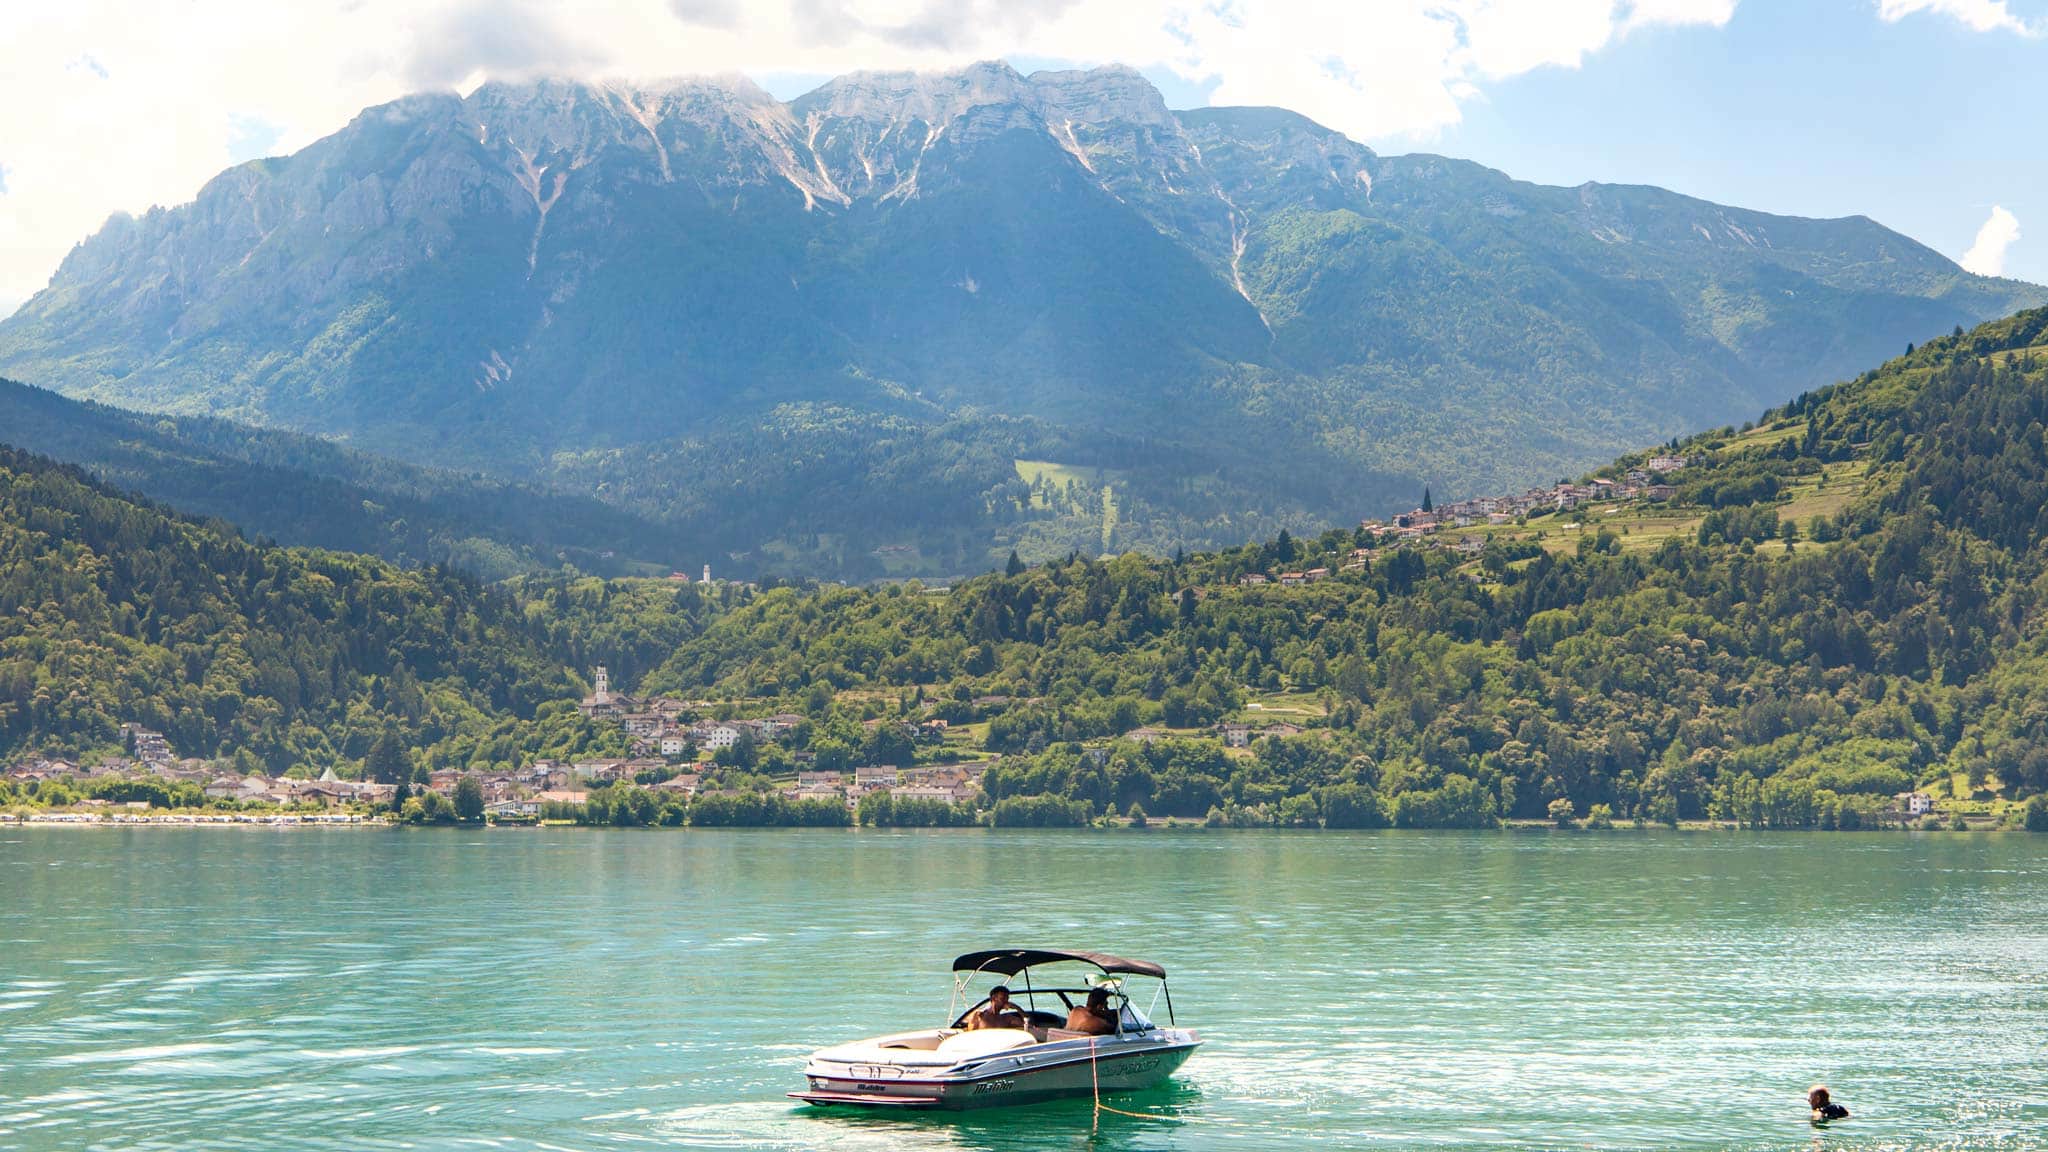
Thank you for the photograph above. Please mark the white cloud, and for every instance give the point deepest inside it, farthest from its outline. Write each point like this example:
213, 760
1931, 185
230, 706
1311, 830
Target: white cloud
1986, 256
1979, 15
110, 105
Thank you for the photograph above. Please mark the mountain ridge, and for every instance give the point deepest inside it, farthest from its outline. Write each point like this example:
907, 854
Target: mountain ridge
542, 270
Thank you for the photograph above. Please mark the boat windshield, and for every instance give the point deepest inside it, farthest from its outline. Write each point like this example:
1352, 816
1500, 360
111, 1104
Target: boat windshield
1047, 992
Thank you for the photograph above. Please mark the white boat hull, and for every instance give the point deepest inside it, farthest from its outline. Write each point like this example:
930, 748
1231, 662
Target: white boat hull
1047, 1071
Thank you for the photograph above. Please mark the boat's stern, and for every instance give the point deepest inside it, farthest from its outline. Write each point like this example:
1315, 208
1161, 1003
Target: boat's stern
868, 1082
888, 1071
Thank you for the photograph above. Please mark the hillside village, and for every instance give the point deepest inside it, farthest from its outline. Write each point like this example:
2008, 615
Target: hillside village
1432, 524
1647, 483
670, 751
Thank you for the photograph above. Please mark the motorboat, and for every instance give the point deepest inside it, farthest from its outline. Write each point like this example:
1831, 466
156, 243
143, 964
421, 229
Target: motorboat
959, 1066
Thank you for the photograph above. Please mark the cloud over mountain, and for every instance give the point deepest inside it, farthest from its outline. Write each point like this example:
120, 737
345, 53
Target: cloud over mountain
1986, 256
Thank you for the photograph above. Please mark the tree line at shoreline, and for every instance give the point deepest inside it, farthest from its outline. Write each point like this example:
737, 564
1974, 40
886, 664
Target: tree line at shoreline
1350, 806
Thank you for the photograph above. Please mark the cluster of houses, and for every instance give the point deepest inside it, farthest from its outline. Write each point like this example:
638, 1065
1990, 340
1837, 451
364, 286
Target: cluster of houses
1232, 733
522, 792
148, 754
1644, 483
946, 783
525, 792
1291, 579
329, 791
658, 726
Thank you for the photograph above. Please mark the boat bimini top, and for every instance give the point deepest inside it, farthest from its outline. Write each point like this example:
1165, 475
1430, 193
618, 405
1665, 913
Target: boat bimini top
1009, 963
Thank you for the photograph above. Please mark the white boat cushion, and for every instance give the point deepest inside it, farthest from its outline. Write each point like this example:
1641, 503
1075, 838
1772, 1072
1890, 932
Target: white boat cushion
985, 1042
869, 1052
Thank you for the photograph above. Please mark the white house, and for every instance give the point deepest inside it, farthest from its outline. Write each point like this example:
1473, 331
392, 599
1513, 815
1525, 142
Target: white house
944, 794
723, 736
1915, 803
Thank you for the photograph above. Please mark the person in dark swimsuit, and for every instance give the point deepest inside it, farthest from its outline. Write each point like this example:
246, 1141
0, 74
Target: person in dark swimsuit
1824, 1109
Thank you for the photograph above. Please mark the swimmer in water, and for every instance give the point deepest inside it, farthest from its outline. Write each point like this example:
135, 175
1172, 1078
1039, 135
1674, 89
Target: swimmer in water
1824, 1109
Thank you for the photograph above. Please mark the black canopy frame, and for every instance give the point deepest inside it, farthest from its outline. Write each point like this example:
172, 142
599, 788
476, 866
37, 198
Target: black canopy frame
1009, 962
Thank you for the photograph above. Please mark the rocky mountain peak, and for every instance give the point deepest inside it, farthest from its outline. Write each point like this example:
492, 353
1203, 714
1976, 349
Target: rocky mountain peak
934, 98
1113, 93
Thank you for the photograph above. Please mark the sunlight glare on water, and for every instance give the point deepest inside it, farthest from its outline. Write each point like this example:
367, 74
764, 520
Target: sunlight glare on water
266, 989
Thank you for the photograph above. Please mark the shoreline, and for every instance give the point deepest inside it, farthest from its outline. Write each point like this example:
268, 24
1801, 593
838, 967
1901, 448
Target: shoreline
360, 820
195, 820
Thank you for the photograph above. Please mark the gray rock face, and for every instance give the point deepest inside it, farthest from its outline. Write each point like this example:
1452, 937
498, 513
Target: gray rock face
555, 266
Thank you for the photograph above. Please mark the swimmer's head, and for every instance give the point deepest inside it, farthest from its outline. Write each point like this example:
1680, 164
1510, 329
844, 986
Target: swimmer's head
1817, 1097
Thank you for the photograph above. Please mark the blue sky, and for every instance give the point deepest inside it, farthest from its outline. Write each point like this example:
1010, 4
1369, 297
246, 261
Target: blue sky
1806, 107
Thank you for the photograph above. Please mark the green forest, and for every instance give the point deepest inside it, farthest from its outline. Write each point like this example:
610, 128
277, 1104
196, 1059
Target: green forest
1751, 664
815, 489
298, 489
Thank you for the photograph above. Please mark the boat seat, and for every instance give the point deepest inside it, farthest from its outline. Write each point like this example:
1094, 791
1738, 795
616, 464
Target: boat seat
1052, 1034
985, 1042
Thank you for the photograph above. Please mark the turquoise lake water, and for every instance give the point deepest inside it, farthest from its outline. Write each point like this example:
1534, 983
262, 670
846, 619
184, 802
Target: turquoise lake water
371, 989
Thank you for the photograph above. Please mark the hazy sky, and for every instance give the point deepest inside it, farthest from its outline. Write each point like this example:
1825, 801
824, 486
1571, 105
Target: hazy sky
1924, 114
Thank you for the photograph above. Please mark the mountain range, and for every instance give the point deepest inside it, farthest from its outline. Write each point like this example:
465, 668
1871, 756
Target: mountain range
907, 322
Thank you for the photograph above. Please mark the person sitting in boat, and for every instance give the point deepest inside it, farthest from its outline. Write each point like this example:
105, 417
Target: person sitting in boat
1824, 1108
1095, 1017
997, 1013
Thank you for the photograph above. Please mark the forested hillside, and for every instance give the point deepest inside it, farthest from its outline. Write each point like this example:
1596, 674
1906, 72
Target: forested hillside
299, 489
113, 611
1838, 602
1746, 663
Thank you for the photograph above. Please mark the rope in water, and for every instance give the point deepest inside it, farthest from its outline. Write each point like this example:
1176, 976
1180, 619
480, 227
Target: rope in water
1095, 1080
